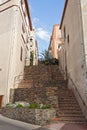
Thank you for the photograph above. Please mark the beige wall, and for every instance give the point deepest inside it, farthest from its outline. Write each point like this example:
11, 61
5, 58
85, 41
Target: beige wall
55, 41
12, 39
72, 59
6, 19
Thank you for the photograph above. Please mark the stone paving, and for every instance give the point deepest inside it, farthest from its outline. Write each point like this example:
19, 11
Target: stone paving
66, 126
74, 127
9, 124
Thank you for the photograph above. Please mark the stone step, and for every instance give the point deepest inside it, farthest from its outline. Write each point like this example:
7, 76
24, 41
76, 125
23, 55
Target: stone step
43, 72
44, 77
70, 112
25, 86
26, 82
65, 93
72, 108
68, 105
67, 98
68, 101
71, 115
42, 81
67, 119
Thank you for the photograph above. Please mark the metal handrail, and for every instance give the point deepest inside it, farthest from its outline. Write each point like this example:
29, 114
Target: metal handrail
75, 86
17, 79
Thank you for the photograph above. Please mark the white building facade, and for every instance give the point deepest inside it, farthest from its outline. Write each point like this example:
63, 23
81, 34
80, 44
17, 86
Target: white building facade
73, 53
15, 28
33, 47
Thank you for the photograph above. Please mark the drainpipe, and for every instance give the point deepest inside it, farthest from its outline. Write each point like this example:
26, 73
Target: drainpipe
82, 42
82, 32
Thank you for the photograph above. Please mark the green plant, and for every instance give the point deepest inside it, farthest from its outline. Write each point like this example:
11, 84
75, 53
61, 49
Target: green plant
19, 106
28, 105
48, 59
34, 105
11, 105
45, 55
46, 107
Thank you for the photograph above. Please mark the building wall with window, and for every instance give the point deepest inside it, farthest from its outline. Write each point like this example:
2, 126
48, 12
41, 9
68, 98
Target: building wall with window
34, 47
73, 50
55, 41
15, 27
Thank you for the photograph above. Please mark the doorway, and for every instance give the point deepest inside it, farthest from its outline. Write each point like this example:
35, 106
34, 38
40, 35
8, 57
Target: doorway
66, 72
1, 101
66, 65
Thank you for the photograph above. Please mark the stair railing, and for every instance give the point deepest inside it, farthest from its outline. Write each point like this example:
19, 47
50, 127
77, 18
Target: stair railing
75, 87
20, 77
17, 80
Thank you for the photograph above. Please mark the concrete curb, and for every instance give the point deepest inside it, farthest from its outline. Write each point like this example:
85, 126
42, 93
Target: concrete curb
19, 123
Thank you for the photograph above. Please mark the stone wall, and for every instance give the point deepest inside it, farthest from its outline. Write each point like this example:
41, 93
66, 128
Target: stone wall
37, 95
33, 116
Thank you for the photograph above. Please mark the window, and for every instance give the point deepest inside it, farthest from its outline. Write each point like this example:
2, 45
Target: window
31, 39
68, 38
21, 54
30, 45
23, 38
23, 29
22, 2
64, 33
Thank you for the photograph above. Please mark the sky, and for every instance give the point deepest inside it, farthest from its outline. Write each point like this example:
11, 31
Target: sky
44, 14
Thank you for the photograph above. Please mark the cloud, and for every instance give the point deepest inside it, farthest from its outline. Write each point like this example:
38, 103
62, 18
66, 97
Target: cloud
43, 34
30, 7
41, 31
35, 20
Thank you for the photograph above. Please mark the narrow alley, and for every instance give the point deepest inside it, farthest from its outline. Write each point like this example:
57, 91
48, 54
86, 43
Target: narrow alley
43, 65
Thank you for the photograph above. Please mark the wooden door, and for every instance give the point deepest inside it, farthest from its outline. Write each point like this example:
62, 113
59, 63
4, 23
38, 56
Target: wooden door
1, 101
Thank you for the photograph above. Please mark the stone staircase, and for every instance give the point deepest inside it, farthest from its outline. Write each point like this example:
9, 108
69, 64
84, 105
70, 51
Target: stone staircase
69, 109
42, 75
40, 85
45, 84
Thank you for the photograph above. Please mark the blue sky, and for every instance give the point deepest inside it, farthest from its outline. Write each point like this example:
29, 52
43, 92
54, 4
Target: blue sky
44, 14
